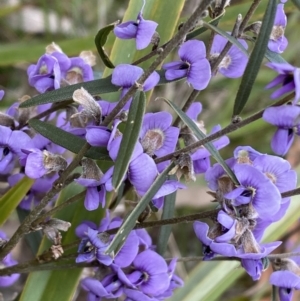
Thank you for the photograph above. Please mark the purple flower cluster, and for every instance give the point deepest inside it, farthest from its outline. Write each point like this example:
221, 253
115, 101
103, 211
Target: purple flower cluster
137, 271
247, 209
55, 69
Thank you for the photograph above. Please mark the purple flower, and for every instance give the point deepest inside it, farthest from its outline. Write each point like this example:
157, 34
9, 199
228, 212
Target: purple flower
286, 118
151, 273
289, 77
47, 73
93, 247
39, 163
11, 143
234, 63
125, 75
157, 136
7, 262
256, 188
142, 30
193, 65
286, 281
278, 42
1, 94
253, 267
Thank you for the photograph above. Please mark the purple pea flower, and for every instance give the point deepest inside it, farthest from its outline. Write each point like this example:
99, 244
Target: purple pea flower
151, 273
193, 65
157, 136
46, 75
286, 118
278, 42
141, 30
11, 143
234, 63
256, 188
125, 75
7, 262
288, 76
93, 247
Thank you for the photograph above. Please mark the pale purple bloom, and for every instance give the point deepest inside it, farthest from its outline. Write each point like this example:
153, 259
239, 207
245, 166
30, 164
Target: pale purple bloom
142, 30
151, 273
7, 261
193, 65
46, 75
288, 77
157, 136
256, 188
278, 42
95, 193
286, 281
1, 94
234, 63
125, 75
11, 143
213, 247
286, 118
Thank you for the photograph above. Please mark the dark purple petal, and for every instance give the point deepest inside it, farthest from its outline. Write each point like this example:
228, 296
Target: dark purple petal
253, 267
97, 136
199, 74
81, 230
125, 75
127, 30
282, 141
94, 286
168, 187
285, 279
91, 201
194, 110
151, 81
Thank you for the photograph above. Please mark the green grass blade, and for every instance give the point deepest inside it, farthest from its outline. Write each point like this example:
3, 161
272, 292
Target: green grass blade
255, 59
129, 223
130, 137
11, 199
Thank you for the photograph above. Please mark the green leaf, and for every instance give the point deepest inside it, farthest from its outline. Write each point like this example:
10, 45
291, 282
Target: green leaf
275, 57
11, 199
67, 140
100, 41
255, 59
60, 284
227, 36
130, 137
209, 280
200, 135
129, 223
94, 87
202, 29
165, 231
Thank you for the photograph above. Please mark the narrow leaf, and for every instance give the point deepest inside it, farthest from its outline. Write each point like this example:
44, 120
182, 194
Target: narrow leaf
227, 36
129, 223
200, 135
67, 140
274, 57
165, 231
130, 137
255, 59
100, 40
11, 199
94, 87
202, 29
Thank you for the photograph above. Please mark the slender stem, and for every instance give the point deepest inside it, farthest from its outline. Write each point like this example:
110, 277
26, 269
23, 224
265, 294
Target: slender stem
68, 202
230, 128
174, 42
248, 16
54, 108
291, 193
274, 293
